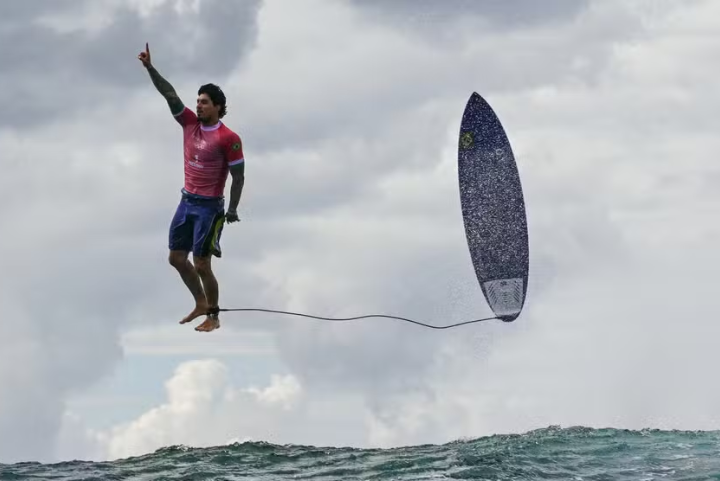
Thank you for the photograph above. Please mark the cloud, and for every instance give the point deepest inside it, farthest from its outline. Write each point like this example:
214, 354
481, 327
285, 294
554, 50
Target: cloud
494, 13
203, 409
67, 60
43, 362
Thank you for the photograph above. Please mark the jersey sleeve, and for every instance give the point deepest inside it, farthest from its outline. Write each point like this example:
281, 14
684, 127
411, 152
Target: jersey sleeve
186, 117
233, 150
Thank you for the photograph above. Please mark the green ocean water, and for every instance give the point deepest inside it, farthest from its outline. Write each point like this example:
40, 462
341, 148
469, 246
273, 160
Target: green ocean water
552, 453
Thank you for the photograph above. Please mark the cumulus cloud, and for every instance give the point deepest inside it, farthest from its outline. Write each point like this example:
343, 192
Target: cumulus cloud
202, 408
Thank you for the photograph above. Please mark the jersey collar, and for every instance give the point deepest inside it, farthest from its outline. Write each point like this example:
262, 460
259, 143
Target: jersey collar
209, 128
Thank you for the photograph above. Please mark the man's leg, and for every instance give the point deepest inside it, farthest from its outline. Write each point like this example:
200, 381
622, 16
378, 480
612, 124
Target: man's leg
204, 270
207, 238
190, 276
180, 244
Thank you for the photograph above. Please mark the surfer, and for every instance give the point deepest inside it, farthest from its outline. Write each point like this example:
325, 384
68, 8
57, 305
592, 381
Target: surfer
212, 151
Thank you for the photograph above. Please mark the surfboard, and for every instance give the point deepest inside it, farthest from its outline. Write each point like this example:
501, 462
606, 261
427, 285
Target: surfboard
493, 209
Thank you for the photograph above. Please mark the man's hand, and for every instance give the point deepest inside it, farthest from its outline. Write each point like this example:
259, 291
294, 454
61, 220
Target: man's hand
144, 57
166, 90
231, 216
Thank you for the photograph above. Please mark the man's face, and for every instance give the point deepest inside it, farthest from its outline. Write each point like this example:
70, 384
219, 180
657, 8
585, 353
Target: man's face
205, 108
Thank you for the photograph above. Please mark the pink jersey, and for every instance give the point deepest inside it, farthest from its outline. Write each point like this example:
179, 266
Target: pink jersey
209, 153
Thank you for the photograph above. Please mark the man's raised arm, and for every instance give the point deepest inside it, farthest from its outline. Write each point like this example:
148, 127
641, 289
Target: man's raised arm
163, 86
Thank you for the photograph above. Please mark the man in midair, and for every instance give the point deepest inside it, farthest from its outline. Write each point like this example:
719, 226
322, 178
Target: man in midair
212, 151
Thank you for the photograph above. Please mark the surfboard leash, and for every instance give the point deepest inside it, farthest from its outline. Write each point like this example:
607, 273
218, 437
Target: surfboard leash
343, 319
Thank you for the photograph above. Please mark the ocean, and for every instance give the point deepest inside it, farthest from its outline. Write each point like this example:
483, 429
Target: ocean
574, 453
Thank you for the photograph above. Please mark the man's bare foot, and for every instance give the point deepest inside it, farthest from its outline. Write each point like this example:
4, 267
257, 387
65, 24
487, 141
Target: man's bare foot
200, 309
210, 324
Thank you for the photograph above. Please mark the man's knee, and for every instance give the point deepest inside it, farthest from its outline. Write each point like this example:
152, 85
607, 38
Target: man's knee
202, 266
178, 259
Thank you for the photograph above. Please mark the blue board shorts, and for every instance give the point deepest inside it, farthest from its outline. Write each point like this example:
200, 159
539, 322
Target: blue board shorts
197, 225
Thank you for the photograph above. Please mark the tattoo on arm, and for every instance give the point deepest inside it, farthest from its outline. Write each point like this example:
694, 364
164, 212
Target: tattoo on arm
167, 91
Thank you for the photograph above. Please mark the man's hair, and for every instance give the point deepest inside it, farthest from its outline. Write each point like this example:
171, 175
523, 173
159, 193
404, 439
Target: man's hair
216, 95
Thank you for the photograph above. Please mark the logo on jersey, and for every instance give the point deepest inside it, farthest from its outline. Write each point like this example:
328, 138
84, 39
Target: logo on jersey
236, 146
197, 163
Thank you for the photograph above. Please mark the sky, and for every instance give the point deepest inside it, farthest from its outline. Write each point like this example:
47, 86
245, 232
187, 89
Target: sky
349, 113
